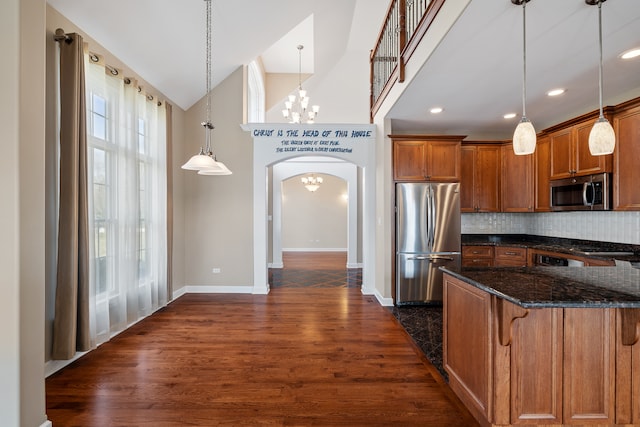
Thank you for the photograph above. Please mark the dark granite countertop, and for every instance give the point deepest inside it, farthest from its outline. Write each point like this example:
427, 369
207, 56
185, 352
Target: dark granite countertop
557, 244
539, 287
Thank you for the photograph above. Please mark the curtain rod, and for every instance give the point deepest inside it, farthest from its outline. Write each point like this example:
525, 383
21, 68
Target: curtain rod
60, 35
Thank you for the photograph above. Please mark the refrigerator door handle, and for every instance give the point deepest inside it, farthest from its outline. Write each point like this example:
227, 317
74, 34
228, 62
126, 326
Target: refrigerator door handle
440, 257
433, 216
430, 258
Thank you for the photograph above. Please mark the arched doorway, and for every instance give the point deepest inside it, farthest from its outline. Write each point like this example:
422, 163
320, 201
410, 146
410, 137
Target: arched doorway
295, 167
274, 143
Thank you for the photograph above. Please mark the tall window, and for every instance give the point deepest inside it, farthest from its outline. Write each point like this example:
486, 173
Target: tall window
256, 101
127, 201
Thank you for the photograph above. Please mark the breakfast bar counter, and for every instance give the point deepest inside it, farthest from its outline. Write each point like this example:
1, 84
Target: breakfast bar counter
544, 345
538, 287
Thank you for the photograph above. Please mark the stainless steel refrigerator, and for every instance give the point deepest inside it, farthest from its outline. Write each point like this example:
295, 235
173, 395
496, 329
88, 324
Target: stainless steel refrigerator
427, 237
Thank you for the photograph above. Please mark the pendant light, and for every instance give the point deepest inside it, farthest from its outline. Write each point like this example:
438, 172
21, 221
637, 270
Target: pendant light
602, 139
524, 137
205, 162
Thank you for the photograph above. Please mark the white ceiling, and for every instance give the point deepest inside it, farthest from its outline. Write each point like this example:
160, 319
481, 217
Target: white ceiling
475, 74
164, 40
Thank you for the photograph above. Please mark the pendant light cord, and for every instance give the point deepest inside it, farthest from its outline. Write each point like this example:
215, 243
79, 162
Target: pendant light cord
600, 63
207, 124
524, 60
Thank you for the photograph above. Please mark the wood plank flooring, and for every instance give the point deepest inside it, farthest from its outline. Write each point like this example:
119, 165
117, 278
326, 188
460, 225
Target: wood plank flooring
314, 260
295, 357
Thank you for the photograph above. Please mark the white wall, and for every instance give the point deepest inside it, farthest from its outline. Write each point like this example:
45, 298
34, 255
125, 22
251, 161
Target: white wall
314, 220
22, 116
619, 227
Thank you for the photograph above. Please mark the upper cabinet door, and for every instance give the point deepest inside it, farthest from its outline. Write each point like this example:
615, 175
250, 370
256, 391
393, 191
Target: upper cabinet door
409, 160
426, 158
443, 161
626, 176
517, 181
570, 155
542, 173
561, 154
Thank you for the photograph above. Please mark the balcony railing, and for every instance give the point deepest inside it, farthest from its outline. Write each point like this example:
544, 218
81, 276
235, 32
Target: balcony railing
404, 26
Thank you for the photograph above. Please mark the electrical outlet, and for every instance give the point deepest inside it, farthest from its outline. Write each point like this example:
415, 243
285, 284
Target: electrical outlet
216, 270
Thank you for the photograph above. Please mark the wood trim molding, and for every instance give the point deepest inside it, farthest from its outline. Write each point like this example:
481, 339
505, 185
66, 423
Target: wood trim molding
506, 314
630, 320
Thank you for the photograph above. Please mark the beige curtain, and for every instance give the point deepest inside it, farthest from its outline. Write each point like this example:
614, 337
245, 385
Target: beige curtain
71, 327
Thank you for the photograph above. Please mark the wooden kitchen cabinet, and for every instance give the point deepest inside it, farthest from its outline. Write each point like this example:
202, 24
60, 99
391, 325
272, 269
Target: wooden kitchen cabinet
467, 349
536, 377
589, 366
542, 173
510, 256
426, 158
569, 150
517, 181
480, 178
510, 365
626, 176
628, 360
477, 256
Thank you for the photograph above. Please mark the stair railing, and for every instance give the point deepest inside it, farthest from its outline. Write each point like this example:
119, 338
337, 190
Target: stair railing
405, 23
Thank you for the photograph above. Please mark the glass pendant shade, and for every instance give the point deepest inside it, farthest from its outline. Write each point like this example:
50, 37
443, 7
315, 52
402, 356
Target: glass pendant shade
524, 138
602, 139
199, 162
219, 169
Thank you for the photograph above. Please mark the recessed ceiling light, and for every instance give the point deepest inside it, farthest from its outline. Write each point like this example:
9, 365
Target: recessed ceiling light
556, 92
509, 115
630, 53
436, 110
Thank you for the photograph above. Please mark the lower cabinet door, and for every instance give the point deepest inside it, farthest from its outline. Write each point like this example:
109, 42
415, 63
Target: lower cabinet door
589, 366
536, 368
467, 353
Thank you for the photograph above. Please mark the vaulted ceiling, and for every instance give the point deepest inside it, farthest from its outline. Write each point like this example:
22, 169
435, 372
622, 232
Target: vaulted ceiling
475, 73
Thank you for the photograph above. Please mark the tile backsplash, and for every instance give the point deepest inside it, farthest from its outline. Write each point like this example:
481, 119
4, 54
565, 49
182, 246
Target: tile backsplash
619, 227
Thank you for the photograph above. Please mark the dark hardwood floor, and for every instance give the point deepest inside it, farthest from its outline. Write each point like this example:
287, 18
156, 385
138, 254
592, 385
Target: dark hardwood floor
314, 260
298, 356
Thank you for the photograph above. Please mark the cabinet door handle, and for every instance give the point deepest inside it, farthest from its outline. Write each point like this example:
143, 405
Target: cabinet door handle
511, 253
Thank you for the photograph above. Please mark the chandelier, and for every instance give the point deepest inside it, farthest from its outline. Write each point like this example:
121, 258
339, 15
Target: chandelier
205, 162
312, 182
296, 107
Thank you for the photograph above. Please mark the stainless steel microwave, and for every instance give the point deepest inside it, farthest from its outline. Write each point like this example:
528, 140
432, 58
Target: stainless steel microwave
581, 193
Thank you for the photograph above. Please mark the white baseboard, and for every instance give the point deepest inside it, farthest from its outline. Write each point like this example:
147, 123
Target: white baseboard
314, 249
194, 289
178, 293
53, 366
276, 265
218, 289
46, 424
354, 265
385, 302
